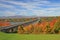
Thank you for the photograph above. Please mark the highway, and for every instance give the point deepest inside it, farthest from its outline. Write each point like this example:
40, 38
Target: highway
19, 24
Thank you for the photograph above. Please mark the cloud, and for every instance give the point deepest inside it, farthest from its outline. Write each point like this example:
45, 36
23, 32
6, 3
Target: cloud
24, 5
47, 12
29, 5
34, 7
7, 13
6, 6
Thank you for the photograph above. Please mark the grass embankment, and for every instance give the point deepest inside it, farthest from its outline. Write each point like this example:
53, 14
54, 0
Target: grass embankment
5, 36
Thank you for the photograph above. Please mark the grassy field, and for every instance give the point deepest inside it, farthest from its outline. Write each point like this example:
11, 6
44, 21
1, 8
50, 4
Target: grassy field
5, 36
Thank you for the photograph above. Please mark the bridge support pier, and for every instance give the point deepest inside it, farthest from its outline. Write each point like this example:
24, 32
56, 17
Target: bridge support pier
15, 29
10, 30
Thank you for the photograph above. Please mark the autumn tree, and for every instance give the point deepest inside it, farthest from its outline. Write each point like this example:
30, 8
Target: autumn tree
57, 26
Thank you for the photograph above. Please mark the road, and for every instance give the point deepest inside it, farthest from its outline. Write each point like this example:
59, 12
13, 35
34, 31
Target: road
18, 24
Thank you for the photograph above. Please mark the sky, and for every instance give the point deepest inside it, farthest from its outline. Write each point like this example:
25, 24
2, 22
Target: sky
30, 7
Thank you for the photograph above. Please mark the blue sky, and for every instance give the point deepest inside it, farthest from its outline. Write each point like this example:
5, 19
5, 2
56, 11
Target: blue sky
30, 7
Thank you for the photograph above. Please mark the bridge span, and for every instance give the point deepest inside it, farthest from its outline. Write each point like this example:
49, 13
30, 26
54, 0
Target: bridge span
14, 28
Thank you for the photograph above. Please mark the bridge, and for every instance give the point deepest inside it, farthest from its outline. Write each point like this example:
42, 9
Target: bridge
14, 28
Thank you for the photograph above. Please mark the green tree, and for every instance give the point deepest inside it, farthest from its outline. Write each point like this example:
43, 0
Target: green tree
57, 26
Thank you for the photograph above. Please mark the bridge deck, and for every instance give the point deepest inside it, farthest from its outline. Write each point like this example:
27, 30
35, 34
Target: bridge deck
16, 25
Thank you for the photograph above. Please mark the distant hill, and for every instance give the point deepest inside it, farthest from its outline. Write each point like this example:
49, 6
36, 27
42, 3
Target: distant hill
18, 16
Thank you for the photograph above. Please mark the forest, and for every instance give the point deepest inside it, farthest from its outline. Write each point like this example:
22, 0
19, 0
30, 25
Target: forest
46, 25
